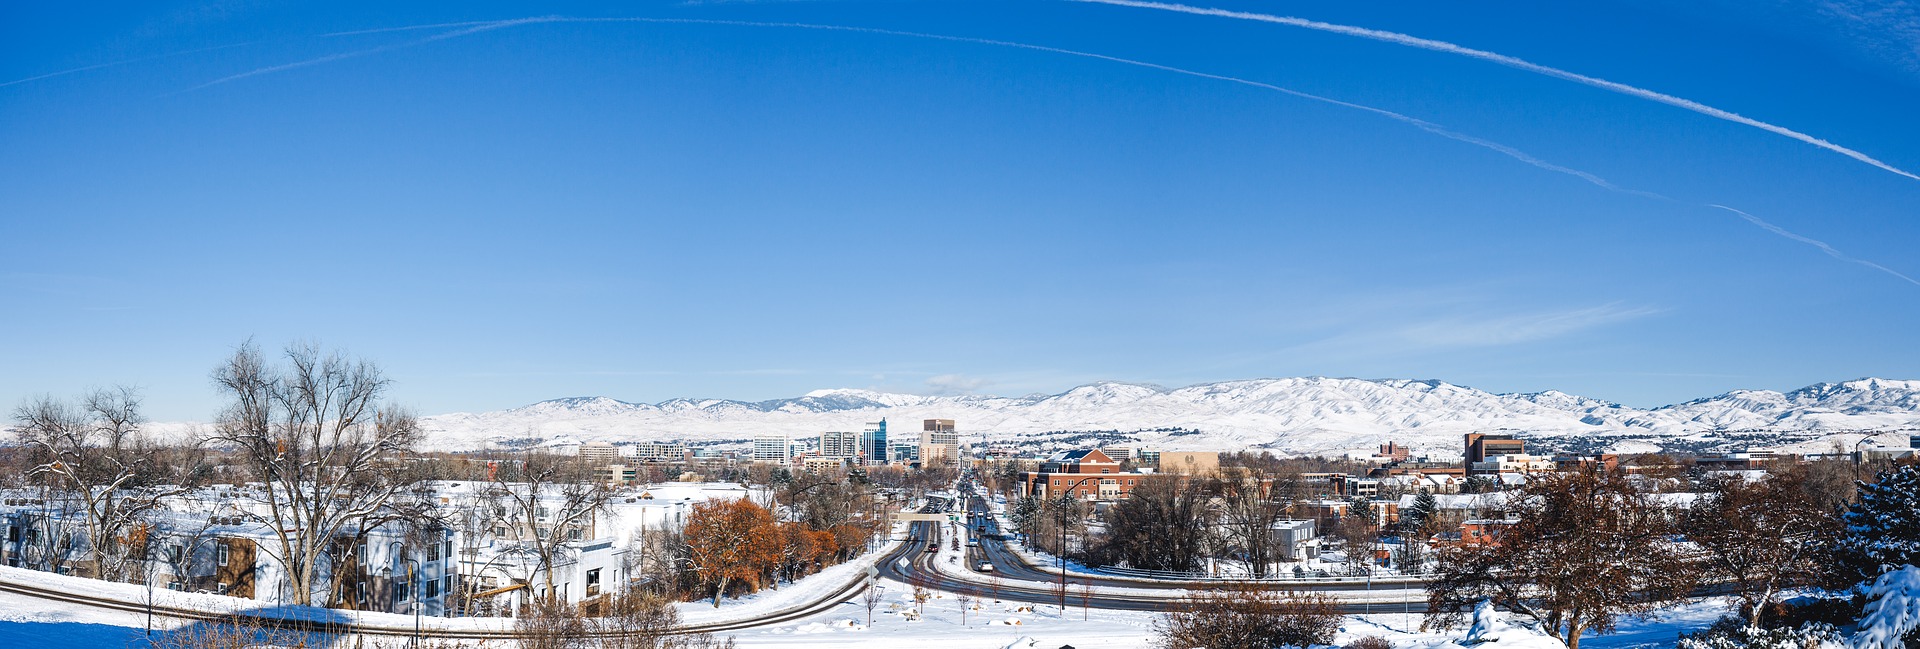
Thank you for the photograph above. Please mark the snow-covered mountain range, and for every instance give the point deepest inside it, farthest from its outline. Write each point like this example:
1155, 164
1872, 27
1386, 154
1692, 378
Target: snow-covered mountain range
1291, 415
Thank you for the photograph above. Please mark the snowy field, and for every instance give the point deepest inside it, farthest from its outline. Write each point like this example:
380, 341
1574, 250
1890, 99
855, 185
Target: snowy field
32, 622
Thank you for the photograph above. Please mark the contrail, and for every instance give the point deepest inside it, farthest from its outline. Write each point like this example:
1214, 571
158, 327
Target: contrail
409, 28
1822, 245
1430, 127
110, 64
474, 29
1522, 64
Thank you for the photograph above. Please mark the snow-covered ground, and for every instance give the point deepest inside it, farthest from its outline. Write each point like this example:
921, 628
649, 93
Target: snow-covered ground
33, 622
27, 621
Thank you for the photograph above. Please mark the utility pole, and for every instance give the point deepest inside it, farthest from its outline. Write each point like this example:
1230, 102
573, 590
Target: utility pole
1066, 500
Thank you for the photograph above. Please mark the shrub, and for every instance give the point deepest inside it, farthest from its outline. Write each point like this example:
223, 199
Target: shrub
1369, 642
1243, 616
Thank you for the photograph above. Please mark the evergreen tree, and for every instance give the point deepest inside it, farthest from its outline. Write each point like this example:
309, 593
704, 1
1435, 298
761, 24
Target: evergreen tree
1024, 514
1882, 533
1415, 518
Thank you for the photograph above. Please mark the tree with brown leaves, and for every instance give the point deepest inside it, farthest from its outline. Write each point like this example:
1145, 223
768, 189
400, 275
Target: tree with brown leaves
730, 540
1587, 548
1762, 536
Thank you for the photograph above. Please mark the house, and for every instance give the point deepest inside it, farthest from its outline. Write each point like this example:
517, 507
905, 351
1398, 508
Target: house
1297, 539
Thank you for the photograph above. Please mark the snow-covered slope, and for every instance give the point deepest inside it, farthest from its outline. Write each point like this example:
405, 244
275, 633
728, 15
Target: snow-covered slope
1303, 415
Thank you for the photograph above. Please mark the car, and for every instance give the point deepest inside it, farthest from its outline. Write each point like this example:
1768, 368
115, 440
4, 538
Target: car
933, 547
985, 566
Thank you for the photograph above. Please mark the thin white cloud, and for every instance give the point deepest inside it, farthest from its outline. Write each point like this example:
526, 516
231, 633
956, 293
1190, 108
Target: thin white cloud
1443, 331
956, 384
1486, 331
1521, 64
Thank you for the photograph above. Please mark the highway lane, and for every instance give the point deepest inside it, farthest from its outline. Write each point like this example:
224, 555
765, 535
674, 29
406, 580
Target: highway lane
1012, 566
912, 564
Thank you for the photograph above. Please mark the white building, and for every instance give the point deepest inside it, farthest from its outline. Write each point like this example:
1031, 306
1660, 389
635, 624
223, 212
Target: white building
777, 449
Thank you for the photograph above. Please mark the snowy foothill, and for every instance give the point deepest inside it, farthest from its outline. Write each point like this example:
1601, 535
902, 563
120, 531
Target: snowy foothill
1313, 415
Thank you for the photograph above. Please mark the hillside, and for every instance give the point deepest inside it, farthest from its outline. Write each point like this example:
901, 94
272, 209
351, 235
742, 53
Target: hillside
1289, 415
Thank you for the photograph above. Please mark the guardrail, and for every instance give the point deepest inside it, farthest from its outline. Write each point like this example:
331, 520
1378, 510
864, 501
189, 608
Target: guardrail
1166, 575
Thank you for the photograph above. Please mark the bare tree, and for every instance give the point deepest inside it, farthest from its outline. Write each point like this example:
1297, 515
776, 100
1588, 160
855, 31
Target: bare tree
94, 454
871, 598
1085, 589
965, 601
547, 502
1247, 515
320, 440
1359, 538
1164, 524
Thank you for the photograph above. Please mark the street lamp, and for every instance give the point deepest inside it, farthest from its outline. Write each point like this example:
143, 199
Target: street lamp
413, 581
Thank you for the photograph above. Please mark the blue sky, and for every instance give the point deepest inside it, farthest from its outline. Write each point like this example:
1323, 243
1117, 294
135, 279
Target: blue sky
649, 210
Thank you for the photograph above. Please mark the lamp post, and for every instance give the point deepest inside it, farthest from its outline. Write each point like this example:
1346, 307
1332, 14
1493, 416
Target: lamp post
413, 582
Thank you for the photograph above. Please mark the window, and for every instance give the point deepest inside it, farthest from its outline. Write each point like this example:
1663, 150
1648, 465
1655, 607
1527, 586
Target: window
220, 554
593, 582
447, 549
573, 534
174, 553
433, 552
433, 589
360, 554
